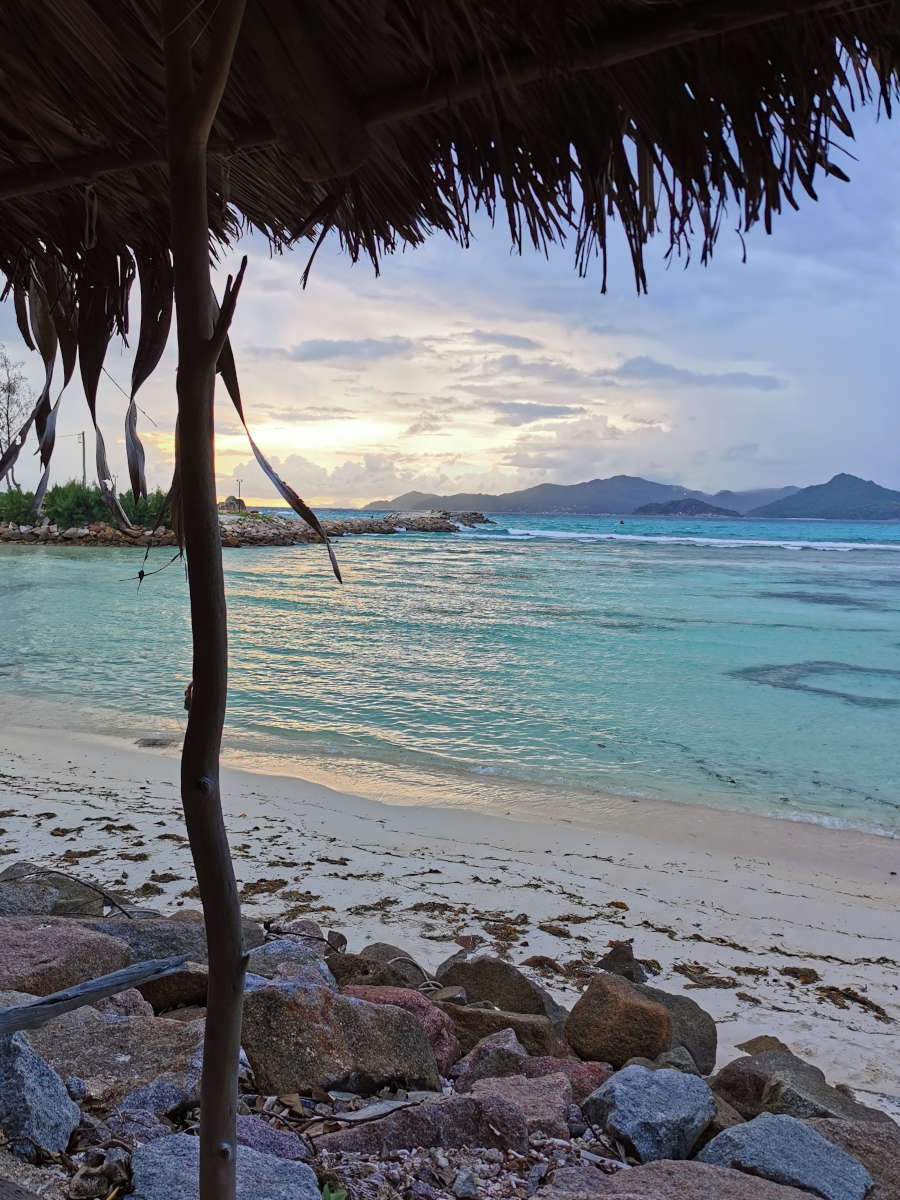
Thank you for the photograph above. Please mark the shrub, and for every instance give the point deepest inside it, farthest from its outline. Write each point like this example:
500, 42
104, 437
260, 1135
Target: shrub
16, 506
73, 504
145, 511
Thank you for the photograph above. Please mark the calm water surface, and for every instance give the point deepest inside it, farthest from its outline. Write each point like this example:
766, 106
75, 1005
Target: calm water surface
730, 663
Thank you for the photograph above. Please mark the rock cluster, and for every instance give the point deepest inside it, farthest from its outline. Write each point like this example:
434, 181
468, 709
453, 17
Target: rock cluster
389, 1090
240, 526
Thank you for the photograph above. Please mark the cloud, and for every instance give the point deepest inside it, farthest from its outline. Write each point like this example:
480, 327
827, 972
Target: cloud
494, 337
645, 369
340, 351
511, 412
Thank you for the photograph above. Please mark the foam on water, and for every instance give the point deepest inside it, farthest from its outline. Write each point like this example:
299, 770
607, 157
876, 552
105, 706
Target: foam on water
713, 662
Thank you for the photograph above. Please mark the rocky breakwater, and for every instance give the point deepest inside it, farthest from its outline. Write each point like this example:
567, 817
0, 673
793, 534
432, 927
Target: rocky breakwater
376, 1076
270, 529
241, 528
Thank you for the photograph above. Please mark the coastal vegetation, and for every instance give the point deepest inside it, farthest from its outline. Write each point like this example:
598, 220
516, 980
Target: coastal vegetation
74, 504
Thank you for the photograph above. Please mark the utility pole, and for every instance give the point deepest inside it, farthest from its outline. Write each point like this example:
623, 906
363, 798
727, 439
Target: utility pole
238, 482
80, 437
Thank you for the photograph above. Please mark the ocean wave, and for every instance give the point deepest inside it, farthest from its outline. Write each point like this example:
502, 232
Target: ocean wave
525, 535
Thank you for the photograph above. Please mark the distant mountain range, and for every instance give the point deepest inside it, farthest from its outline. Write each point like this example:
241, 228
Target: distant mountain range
845, 497
619, 494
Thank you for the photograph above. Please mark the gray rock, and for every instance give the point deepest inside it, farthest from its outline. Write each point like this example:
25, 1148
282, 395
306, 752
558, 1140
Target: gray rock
298, 1038
452, 1121
162, 937
784, 1150
167, 1169
287, 952
874, 1144
26, 897
665, 1180
352, 970
464, 1186
679, 1059
35, 1107
282, 1143
776, 1081
689, 1025
499, 1054
399, 959
661, 1113
137, 1126
486, 977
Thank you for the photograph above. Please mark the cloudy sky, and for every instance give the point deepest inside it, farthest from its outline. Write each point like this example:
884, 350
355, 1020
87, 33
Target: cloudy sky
478, 370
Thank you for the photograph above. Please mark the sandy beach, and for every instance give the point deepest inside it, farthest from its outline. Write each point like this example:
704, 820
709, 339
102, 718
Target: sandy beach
732, 903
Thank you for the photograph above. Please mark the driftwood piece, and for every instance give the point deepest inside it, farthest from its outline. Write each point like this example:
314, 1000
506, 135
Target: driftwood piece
39, 1012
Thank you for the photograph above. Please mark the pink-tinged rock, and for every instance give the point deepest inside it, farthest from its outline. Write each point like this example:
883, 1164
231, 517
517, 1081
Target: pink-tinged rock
453, 1121
544, 1101
585, 1077
129, 1003
665, 1181
437, 1024
46, 954
299, 1039
494, 1056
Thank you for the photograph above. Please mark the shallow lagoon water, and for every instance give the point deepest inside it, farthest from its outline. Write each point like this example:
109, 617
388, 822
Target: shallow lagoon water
737, 664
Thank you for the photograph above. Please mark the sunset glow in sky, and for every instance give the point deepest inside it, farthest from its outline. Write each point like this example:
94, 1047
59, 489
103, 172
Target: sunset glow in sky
479, 371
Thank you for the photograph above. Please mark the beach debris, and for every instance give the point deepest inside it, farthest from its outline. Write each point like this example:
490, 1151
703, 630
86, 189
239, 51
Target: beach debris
261, 887
785, 1150
498, 1054
612, 1022
41, 955
657, 1114
844, 997
779, 1082
555, 930
312, 1038
544, 1100
437, 1025
749, 998
805, 975
166, 1169
486, 977
702, 977
619, 904
36, 1111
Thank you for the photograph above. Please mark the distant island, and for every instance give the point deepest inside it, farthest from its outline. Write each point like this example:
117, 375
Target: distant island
688, 507
843, 498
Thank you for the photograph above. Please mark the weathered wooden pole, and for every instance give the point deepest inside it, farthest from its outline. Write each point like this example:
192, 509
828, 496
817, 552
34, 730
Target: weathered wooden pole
192, 100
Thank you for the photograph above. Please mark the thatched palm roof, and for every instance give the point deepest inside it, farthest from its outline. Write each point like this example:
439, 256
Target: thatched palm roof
386, 119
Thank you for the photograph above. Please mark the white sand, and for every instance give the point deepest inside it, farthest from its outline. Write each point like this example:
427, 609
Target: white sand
722, 889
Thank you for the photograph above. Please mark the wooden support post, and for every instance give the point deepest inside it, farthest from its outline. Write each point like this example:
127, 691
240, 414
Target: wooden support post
192, 99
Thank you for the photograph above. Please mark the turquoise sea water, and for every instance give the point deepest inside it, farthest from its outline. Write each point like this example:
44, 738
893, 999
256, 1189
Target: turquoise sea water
731, 663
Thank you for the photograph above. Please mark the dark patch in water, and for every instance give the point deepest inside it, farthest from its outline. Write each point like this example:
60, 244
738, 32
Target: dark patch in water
156, 742
833, 599
791, 676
